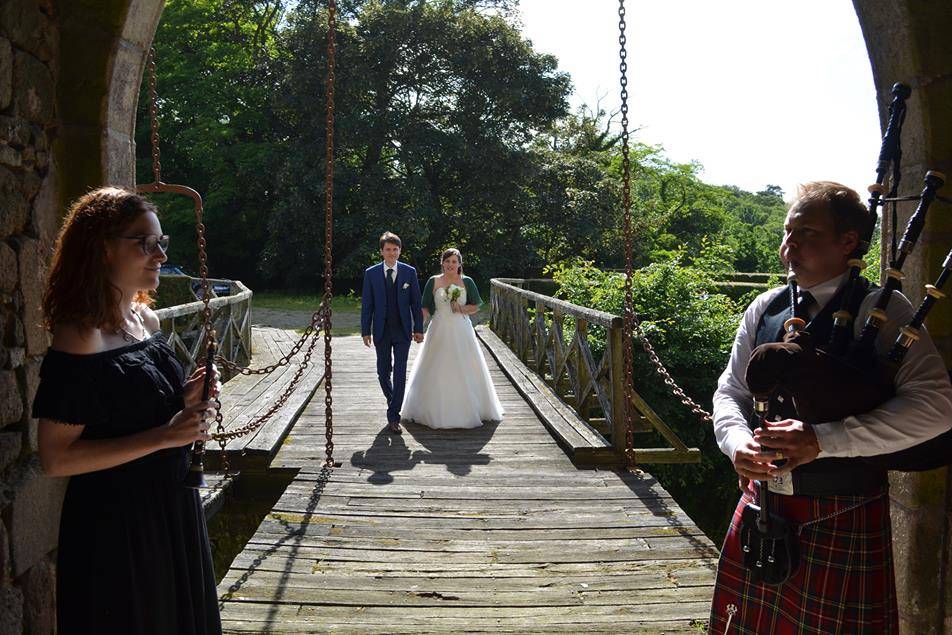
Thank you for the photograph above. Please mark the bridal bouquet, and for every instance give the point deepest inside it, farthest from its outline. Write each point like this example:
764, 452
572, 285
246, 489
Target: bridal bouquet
454, 292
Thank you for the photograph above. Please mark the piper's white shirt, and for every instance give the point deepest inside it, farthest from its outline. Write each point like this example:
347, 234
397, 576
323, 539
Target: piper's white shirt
921, 409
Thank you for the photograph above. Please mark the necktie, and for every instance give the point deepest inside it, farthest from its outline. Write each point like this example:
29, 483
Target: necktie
390, 277
804, 305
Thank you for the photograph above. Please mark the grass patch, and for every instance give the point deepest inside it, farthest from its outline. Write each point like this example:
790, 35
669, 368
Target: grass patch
285, 301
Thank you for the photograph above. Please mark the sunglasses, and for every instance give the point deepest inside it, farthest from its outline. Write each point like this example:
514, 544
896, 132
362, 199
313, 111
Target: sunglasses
148, 244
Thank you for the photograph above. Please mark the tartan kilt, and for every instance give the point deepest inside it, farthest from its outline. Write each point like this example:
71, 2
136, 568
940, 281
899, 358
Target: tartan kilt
844, 582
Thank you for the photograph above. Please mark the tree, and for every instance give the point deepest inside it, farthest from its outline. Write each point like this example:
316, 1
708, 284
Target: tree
214, 83
442, 101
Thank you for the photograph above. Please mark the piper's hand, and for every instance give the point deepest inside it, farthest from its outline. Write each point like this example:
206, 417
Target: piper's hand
751, 463
196, 383
189, 425
789, 439
367, 341
418, 338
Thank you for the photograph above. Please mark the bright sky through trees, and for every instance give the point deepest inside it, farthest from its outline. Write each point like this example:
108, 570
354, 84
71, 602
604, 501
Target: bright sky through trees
758, 91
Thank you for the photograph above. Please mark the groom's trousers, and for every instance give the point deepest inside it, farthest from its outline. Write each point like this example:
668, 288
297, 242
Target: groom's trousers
392, 352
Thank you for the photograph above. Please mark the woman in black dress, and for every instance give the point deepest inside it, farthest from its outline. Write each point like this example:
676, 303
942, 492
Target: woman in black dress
117, 415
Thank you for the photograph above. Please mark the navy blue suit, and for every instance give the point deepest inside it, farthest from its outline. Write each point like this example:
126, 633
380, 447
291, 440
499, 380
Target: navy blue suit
392, 313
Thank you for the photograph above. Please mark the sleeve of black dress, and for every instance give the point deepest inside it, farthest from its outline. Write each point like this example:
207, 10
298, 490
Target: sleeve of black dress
67, 392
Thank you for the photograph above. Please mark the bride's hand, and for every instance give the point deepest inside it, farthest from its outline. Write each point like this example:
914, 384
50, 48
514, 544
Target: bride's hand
455, 306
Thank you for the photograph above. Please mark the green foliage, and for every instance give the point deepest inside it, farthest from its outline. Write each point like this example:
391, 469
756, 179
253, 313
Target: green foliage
216, 125
450, 130
442, 100
692, 328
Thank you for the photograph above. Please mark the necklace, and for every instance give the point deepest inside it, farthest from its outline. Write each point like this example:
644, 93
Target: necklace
129, 337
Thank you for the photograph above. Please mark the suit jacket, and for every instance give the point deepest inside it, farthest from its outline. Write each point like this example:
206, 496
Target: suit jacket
373, 306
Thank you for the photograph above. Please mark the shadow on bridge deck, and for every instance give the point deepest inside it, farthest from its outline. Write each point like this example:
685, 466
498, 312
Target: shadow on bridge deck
491, 529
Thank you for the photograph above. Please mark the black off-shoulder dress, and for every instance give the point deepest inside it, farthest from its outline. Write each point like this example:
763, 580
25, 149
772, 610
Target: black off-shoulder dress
133, 548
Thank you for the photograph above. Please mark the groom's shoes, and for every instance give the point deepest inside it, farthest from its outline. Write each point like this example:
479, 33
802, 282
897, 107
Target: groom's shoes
394, 427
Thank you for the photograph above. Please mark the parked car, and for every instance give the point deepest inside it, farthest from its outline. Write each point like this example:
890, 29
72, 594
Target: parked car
219, 288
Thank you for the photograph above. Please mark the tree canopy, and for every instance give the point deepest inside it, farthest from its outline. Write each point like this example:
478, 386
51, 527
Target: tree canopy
451, 129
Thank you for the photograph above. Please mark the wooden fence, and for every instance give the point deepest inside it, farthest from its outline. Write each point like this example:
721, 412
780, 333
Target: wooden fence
231, 317
535, 327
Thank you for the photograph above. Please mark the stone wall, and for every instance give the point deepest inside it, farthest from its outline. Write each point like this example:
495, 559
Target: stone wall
908, 41
29, 502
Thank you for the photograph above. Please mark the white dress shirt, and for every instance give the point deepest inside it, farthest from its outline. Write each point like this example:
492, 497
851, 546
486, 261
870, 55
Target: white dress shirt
920, 410
387, 268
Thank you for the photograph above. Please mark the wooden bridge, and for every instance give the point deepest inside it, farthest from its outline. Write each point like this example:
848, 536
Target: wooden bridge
491, 529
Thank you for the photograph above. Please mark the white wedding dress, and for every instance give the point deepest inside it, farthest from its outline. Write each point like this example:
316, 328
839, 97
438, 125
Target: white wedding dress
449, 385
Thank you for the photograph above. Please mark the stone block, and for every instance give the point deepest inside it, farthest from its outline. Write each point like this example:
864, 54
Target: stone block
4, 554
11, 401
38, 139
8, 269
14, 204
27, 157
46, 213
13, 336
16, 132
31, 375
6, 73
34, 518
15, 357
11, 611
32, 283
39, 599
27, 27
10, 445
33, 92
11, 157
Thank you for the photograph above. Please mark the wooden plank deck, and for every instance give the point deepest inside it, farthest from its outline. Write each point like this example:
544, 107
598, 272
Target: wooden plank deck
492, 529
247, 397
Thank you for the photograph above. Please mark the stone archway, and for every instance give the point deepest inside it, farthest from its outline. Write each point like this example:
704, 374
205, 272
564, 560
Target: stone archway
69, 77
908, 41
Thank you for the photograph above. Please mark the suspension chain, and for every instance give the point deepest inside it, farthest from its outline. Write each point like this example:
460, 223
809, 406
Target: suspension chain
629, 311
320, 319
154, 118
631, 322
328, 238
676, 390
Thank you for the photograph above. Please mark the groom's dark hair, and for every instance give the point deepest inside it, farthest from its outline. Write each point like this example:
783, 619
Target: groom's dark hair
390, 237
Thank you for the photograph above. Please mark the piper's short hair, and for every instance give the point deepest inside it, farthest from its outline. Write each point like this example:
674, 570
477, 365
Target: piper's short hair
390, 237
844, 205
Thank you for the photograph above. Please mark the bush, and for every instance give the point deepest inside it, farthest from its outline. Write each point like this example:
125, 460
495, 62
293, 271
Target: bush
692, 328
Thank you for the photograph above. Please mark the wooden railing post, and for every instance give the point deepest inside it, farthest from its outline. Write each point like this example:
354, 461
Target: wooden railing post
582, 375
182, 325
617, 381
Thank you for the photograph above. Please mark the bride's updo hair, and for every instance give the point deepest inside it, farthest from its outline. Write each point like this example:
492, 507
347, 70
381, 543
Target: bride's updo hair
453, 252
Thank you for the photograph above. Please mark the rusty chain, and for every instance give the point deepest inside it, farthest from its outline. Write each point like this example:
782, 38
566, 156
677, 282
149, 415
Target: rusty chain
320, 319
631, 322
629, 310
328, 238
154, 118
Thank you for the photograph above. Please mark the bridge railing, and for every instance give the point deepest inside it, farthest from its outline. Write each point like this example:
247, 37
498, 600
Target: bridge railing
554, 338
231, 317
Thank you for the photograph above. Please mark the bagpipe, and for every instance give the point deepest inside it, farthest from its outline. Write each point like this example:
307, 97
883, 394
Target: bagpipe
826, 381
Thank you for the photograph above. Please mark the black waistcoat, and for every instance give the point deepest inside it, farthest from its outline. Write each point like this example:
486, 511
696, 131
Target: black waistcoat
821, 477
393, 307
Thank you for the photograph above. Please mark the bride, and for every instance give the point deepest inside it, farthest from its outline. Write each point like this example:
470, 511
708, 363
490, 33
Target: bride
449, 385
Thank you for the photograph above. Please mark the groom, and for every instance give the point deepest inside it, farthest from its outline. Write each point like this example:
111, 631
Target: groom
390, 310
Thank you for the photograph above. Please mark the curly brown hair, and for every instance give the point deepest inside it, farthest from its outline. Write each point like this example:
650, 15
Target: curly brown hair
78, 290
